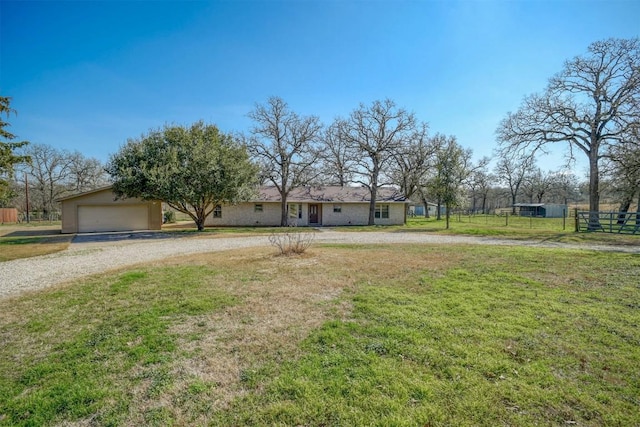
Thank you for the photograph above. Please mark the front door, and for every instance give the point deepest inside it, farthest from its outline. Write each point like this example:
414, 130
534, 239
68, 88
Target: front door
313, 214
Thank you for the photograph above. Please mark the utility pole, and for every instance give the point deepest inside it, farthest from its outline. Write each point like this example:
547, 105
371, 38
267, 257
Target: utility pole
26, 191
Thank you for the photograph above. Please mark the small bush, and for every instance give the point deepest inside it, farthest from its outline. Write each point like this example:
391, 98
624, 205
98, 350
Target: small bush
169, 217
291, 242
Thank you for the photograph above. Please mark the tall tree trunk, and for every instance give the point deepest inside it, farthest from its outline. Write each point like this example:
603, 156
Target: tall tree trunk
374, 193
426, 206
447, 214
594, 189
284, 192
372, 205
423, 197
625, 204
199, 219
439, 208
638, 211
283, 211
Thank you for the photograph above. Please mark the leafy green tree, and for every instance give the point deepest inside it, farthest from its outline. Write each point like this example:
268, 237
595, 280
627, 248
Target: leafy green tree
192, 169
8, 158
452, 167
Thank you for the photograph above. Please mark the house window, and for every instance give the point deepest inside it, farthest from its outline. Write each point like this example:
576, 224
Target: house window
382, 211
217, 211
337, 208
257, 207
295, 211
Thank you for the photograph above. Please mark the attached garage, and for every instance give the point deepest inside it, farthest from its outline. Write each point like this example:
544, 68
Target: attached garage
99, 211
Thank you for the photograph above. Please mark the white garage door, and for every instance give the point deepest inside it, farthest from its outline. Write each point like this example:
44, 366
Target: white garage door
112, 218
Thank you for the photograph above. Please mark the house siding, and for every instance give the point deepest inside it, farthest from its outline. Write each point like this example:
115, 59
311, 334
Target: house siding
351, 214
243, 214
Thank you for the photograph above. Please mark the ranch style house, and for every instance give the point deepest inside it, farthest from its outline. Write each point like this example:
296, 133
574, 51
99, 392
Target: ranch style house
99, 211
314, 206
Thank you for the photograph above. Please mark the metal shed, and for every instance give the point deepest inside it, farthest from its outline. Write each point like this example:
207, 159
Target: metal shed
542, 210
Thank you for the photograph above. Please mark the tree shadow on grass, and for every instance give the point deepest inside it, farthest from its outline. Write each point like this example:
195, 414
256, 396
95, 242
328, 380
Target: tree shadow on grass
33, 233
126, 235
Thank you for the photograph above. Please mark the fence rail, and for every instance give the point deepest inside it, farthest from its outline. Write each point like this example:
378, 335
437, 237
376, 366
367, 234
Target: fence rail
506, 219
608, 222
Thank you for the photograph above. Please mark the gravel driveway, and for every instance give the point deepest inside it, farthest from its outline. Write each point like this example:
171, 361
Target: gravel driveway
95, 253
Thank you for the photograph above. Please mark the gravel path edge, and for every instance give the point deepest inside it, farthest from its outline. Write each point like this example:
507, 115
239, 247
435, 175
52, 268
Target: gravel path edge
86, 255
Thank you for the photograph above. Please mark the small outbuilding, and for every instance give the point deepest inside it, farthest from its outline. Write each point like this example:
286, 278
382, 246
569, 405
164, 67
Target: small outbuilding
541, 210
100, 211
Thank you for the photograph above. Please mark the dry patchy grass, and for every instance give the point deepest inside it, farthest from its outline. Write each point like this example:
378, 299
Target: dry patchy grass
283, 299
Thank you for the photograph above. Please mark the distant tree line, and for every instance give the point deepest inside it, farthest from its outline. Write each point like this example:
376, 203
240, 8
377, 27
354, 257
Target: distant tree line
52, 173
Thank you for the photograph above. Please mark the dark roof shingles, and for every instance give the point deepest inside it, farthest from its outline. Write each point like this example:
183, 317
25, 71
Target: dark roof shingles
330, 194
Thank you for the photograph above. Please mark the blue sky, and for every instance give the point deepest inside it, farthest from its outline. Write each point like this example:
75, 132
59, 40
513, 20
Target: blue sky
88, 75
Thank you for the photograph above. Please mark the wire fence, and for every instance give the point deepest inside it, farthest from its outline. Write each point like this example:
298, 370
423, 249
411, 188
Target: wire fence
513, 221
39, 217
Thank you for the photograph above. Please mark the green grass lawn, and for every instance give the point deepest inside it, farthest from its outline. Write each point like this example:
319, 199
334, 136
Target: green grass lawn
343, 335
517, 228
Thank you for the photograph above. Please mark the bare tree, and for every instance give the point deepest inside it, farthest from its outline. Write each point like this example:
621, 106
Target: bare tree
480, 185
49, 173
85, 173
283, 143
564, 187
374, 135
412, 162
53, 173
511, 171
536, 184
336, 162
625, 176
589, 105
